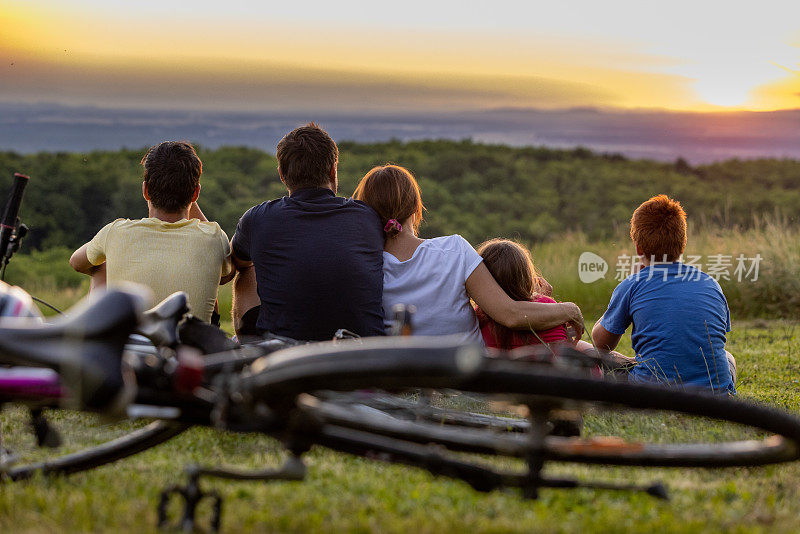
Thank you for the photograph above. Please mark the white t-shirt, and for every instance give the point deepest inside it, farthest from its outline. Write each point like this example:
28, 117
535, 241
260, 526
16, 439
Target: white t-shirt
433, 280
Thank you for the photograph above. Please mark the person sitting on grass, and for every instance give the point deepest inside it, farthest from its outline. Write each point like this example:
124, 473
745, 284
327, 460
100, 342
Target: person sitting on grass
511, 265
175, 248
679, 314
309, 263
439, 276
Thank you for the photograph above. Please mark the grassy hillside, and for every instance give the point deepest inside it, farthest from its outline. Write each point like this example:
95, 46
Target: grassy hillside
774, 294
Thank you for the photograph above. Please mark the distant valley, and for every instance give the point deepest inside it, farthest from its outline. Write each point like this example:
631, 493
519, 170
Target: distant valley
664, 136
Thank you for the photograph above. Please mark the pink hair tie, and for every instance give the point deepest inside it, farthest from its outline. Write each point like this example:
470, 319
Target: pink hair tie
392, 223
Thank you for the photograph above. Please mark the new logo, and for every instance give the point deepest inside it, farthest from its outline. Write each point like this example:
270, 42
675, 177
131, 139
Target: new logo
591, 267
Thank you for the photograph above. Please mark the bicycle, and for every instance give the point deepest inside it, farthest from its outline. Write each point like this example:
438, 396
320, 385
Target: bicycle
42, 391
279, 395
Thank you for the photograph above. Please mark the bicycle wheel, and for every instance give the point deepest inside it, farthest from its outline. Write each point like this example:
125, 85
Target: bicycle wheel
86, 442
438, 363
290, 390
38, 436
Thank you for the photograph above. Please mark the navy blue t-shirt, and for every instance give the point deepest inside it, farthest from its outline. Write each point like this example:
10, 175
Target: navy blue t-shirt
319, 264
680, 318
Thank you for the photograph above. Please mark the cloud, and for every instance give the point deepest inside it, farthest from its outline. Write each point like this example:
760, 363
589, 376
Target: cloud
231, 85
340, 56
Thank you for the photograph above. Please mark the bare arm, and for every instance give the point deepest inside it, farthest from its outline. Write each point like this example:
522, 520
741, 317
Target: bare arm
225, 278
484, 290
235, 265
238, 263
80, 261
195, 212
603, 339
245, 291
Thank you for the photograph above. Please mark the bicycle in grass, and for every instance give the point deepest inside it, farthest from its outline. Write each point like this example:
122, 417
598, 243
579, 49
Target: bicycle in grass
42, 389
285, 394
344, 396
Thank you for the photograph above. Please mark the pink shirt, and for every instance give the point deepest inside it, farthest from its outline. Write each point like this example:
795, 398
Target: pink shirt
519, 338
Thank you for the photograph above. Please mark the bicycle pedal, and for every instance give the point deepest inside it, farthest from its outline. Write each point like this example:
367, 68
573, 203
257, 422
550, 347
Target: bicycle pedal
191, 496
566, 423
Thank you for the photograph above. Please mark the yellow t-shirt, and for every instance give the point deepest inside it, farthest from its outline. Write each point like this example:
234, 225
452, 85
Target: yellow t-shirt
187, 255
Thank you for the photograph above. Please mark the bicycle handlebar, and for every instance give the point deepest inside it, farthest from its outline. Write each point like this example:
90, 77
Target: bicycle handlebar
85, 347
9, 219
160, 323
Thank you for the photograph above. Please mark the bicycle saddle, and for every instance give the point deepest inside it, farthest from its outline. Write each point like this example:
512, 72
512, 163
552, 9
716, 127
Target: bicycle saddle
160, 324
84, 346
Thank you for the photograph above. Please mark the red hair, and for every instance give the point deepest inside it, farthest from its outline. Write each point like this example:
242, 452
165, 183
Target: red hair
658, 229
393, 192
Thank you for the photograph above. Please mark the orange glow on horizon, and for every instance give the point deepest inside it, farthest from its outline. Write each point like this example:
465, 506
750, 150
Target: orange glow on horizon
481, 70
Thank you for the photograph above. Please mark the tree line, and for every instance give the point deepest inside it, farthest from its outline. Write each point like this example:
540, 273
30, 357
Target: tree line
477, 190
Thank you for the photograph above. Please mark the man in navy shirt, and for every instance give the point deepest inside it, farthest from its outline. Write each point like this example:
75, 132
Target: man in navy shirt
310, 263
679, 314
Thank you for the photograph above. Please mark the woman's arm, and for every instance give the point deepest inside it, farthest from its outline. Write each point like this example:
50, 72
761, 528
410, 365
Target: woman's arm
484, 290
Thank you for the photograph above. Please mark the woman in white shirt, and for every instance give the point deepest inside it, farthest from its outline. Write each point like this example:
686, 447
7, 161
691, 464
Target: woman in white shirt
439, 276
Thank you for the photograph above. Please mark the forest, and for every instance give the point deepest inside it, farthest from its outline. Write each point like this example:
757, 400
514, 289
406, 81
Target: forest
533, 194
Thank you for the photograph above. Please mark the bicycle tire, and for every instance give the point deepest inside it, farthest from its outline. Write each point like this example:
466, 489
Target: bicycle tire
402, 408
518, 445
124, 446
440, 363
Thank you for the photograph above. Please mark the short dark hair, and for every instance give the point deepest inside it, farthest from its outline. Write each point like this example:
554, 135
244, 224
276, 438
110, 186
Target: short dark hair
306, 156
172, 172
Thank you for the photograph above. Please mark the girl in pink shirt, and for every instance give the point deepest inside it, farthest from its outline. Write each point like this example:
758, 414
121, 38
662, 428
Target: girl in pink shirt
511, 265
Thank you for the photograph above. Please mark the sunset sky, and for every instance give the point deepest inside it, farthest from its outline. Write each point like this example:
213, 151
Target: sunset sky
412, 55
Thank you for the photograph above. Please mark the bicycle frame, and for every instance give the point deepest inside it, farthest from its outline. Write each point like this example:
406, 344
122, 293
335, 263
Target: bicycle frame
26, 384
275, 396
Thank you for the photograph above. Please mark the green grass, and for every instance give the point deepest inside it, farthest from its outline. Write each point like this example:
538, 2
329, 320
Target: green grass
776, 293
344, 493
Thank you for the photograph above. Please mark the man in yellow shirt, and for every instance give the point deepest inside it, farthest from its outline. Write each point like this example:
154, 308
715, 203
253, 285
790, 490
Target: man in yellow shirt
175, 248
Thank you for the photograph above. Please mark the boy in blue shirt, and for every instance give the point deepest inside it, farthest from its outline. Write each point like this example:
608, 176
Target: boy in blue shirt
679, 314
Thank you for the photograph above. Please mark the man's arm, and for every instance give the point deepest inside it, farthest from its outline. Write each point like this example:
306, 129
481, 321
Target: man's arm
245, 291
603, 339
225, 278
80, 261
234, 265
196, 213
237, 264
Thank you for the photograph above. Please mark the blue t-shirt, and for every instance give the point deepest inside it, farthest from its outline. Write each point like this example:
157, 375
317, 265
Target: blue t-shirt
319, 264
680, 318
